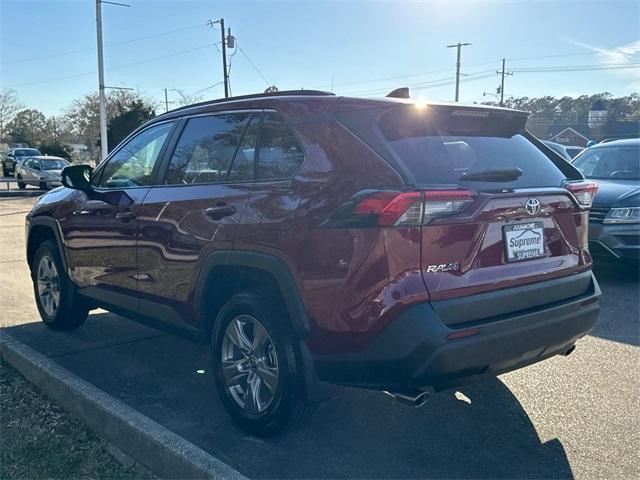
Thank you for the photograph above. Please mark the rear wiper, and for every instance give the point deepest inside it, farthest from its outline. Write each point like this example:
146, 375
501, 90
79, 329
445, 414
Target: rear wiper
497, 175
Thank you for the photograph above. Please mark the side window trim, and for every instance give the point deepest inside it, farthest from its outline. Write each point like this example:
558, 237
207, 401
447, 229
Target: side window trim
285, 121
154, 172
260, 115
181, 123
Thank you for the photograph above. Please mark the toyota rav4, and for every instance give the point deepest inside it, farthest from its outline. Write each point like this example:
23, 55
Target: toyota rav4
386, 244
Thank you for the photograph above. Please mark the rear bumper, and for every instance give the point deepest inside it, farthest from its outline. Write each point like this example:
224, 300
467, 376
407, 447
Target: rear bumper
614, 241
414, 352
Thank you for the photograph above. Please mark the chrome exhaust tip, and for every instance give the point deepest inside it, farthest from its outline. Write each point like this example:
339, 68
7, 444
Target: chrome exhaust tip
413, 398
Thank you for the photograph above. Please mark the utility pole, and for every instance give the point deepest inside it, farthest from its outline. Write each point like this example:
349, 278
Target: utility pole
166, 101
104, 148
459, 47
503, 73
225, 74
224, 60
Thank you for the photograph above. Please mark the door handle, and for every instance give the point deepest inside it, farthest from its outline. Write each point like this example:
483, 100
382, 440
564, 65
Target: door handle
220, 211
125, 216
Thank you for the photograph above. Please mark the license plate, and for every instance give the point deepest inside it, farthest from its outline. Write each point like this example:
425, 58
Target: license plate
524, 241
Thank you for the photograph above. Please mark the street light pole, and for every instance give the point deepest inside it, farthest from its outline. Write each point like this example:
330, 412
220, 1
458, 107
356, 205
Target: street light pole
459, 47
104, 148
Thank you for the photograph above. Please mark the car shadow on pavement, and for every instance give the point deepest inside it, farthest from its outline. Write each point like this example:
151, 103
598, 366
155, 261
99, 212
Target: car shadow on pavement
357, 434
620, 292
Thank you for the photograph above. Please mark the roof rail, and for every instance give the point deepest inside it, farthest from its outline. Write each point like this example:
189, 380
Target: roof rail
283, 93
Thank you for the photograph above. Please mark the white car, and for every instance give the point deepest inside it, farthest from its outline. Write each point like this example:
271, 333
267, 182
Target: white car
41, 171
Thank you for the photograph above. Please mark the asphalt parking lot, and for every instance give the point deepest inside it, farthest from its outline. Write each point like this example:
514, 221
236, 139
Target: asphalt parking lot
566, 417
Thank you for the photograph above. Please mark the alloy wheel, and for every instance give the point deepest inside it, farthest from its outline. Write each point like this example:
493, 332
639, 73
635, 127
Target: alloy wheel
48, 283
249, 364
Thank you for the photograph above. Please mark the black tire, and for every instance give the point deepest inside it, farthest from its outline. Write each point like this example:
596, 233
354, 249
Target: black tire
21, 185
5, 172
71, 311
43, 185
288, 407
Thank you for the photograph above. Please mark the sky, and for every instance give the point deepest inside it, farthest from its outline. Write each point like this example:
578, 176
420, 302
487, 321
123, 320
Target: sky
362, 48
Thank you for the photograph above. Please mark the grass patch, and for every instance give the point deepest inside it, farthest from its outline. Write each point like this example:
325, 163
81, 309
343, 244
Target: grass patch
40, 440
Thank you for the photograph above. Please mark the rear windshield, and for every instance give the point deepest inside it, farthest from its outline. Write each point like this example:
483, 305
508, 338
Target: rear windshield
53, 164
27, 152
440, 145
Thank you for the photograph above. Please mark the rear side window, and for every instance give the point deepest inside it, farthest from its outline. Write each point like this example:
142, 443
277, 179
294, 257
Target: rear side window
206, 149
280, 154
440, 145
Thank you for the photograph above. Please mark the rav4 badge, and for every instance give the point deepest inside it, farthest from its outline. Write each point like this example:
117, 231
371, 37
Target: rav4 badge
445, 267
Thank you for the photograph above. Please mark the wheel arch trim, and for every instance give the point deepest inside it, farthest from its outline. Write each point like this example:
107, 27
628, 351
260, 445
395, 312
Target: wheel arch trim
270, 264
54, 226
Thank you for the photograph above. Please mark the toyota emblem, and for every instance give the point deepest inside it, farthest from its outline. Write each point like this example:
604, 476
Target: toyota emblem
532, 206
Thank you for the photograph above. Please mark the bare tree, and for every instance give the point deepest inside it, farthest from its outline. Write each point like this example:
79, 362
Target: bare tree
186, 99
9, 106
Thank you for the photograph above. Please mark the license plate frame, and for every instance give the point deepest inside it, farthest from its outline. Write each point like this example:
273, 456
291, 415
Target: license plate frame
520, 241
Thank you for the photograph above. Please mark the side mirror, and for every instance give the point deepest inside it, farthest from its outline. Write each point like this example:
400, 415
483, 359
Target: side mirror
77, 177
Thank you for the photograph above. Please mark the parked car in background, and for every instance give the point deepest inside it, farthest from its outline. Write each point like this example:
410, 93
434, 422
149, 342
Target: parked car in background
317, 239
573, 150
566, 152
14, 157
614, 220
41, 171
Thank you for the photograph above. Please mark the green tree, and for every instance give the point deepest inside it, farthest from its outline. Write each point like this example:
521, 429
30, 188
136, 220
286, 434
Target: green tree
28, 126
56, 149
128, 118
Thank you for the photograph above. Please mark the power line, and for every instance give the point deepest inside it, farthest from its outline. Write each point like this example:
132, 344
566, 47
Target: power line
578, 68
394, 78
559, 55
430, 83
92, 49
254, 66
68, 77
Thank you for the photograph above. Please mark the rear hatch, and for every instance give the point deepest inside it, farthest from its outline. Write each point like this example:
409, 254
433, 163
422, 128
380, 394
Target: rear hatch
497, 211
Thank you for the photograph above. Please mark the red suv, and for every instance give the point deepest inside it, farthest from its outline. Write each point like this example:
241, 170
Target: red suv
319, 240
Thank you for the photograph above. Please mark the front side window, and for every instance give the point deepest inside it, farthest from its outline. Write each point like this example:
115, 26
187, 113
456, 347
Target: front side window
206, 149
280, 154
132, 165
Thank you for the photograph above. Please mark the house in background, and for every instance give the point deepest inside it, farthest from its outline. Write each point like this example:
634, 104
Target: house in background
580, 129
570, 136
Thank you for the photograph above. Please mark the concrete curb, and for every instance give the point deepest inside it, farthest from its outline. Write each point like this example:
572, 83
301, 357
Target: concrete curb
165, 453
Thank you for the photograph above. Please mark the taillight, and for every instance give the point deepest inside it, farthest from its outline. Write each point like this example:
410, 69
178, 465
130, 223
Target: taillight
583, 192
399, 209
439, 203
